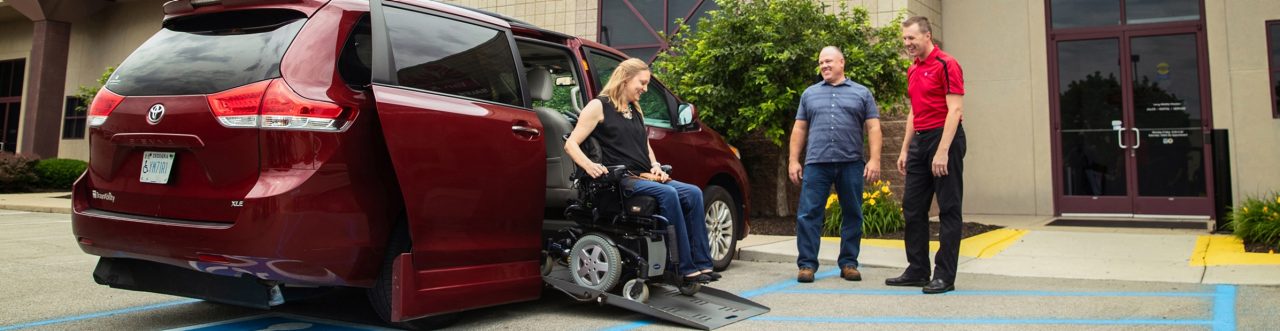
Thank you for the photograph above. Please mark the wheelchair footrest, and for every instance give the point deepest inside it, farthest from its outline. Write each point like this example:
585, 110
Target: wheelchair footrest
708, 309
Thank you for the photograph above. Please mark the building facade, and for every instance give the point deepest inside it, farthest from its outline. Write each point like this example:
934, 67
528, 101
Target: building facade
1129, 108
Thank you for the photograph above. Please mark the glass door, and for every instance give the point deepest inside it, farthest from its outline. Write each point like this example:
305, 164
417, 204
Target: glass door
1169, 129
1131, 124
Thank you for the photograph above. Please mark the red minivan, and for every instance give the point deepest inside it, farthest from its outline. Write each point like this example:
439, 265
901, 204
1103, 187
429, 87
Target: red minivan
251, 151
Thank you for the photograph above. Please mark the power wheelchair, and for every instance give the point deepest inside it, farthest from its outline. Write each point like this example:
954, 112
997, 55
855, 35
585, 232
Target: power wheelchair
616, 239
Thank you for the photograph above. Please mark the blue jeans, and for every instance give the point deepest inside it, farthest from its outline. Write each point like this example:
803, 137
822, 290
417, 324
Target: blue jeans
816, 185
680, 204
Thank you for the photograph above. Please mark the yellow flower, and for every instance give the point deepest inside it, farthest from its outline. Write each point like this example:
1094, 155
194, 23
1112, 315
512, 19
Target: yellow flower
865, 195
872, 202
1277, 199
1265, 210
832, 200
1246, 209
889, 183
884, 189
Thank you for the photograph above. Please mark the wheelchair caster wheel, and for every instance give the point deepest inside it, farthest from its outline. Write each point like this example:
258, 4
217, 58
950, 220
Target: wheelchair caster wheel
636, 290
690, 288
548, 263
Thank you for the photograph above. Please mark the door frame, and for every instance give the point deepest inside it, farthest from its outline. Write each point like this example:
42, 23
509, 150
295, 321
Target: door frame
1131, 204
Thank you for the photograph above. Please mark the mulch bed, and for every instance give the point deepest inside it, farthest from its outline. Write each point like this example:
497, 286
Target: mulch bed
786, 226
1248, 247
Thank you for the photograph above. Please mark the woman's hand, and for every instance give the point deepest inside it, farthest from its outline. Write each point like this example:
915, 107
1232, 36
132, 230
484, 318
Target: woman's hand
656, 174
595, 170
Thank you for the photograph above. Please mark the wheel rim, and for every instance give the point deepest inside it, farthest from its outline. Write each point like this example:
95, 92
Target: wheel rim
719, 229
592, 264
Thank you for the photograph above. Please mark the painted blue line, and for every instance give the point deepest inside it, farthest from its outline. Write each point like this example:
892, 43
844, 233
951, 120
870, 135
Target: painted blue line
747, 294
988, 321
98, 314
1002, 293
1224, 308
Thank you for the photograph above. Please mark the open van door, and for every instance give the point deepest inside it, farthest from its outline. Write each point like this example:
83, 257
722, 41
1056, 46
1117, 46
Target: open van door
467, 152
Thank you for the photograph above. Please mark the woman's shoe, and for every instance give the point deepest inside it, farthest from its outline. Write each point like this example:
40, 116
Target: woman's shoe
712, 274
699, 278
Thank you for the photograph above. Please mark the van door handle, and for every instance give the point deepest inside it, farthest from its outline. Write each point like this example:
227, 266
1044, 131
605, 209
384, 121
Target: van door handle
525, 131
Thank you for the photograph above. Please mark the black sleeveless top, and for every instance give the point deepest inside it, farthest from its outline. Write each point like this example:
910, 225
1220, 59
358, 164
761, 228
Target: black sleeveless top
622, 141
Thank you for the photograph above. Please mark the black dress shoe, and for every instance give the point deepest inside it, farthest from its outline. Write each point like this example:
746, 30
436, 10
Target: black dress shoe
905, 280
713, 275
938, 286
699, 278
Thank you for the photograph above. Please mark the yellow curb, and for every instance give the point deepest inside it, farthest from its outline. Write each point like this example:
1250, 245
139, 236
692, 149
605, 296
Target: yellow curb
1221, 250
982, 246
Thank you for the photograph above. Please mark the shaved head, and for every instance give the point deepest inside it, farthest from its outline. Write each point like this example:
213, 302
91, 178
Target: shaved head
831, 50
831, 64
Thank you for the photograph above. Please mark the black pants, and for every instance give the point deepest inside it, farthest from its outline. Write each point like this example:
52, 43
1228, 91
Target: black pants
920, 189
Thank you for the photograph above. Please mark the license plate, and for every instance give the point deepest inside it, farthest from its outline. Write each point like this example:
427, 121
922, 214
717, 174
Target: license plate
156, 167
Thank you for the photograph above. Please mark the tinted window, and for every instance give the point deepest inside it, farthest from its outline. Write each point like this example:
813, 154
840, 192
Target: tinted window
1084, 13
656, 102
1156, 11
357, 55
447, 56
208, 53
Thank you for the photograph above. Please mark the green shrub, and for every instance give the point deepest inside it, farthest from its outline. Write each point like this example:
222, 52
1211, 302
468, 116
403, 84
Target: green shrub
17, 173
1257, 220
880, 212
59, 173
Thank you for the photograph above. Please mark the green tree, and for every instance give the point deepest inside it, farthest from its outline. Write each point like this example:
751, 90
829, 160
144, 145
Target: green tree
748, 63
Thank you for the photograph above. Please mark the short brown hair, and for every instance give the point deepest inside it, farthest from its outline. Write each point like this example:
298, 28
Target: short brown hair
921, 20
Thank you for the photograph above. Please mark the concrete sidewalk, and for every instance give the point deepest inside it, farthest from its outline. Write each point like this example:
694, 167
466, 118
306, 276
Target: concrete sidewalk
49, 202
1024, 248
1027, 248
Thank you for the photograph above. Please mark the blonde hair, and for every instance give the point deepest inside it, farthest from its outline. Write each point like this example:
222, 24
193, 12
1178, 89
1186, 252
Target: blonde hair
624, 72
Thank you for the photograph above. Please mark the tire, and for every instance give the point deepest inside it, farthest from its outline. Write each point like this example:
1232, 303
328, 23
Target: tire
635, 290
690, 288
723, 222
380, 294
595, 263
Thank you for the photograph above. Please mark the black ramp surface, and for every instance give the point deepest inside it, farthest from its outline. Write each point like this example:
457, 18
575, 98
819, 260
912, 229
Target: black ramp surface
1198, 225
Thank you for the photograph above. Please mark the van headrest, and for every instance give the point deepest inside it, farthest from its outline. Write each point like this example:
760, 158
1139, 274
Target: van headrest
540, 83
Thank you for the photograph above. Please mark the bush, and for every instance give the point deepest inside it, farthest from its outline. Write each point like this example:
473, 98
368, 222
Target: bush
1257, 221
59, 173
17, 173
747, 63
880, 212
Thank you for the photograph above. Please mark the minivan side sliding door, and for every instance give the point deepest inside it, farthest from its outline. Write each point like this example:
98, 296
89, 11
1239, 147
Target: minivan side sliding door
468, 155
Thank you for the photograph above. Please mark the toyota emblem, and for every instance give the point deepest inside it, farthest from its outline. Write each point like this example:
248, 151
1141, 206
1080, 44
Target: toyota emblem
154, 115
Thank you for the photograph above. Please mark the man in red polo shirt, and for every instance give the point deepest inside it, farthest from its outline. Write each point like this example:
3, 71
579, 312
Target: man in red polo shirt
932, 159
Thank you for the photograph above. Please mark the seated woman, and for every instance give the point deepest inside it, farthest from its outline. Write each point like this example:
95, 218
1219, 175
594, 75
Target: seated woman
623, 140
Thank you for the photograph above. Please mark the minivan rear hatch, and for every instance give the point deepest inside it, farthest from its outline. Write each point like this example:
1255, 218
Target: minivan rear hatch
174, 132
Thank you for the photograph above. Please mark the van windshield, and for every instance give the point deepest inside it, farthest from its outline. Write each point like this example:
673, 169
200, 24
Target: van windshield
208, 53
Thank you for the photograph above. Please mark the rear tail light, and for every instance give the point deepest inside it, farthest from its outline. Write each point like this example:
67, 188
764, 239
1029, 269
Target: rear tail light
271, 104
103, 103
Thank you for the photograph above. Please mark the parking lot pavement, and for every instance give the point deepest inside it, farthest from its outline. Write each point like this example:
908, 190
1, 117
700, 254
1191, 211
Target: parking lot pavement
45, 284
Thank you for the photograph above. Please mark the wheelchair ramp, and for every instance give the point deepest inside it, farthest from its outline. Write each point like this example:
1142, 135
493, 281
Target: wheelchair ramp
707, 310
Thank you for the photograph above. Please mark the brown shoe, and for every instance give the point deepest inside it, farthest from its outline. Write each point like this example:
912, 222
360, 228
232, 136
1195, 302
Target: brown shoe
805, 276
850, 273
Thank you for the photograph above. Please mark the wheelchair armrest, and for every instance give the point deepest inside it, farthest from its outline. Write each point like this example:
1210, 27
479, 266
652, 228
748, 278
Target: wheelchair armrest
616, 173
666, 168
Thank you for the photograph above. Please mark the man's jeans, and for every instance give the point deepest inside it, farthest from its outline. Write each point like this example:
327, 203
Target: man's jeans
680, 204
816, 186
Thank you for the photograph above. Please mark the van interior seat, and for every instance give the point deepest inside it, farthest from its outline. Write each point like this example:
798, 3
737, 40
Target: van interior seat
555, 128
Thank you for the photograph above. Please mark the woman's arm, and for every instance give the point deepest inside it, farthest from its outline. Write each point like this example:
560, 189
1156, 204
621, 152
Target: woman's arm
591, 116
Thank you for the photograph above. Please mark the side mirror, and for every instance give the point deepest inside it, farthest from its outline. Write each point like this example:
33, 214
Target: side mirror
684, 117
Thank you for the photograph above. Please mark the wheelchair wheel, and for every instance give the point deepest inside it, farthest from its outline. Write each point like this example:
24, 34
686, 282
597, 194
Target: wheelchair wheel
636, 290
595, 263
548, 263
690, 288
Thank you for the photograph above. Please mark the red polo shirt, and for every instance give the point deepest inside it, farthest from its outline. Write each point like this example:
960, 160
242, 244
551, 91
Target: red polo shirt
929, 80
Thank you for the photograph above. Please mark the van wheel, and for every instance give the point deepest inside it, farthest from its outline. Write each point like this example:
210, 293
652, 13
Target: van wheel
595, 263
380, 294
723, 222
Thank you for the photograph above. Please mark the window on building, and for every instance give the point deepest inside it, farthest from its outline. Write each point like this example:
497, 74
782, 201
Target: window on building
1273, 48
73, 119
1109, 13
11, 74
634, 26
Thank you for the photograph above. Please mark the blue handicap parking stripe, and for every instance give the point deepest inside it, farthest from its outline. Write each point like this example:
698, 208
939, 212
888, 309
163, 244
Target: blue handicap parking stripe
98, 314
1224, 308
993, 321
1003, 293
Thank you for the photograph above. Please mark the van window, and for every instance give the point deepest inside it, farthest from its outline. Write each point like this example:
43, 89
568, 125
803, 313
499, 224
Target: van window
656, 102
208, 53
357, 55
437, 54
